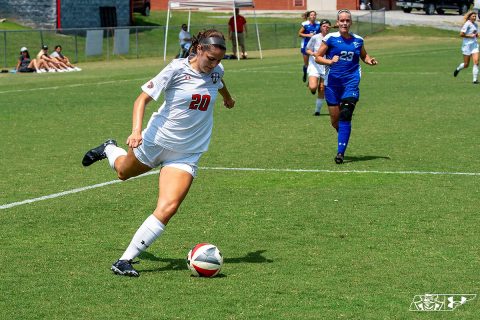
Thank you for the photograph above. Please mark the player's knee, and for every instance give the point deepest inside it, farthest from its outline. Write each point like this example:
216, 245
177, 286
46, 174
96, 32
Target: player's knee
167, 208
346, 110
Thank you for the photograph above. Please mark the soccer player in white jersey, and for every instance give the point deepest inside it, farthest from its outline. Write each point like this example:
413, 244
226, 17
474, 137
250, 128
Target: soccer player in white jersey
342, 52
316, 72
175, 138
469, 33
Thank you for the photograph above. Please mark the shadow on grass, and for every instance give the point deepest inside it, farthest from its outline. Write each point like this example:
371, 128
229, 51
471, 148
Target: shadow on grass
363, 158
181, 264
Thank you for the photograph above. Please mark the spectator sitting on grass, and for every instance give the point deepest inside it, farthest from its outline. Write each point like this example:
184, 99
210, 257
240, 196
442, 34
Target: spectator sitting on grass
52, 63
57, 54
25, 64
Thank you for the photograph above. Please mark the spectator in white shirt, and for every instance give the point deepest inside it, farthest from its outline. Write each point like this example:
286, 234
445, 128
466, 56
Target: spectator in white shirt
185, 39
57, 54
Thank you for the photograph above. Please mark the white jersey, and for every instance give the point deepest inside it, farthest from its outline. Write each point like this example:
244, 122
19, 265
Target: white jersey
184, 35
469, 28
184, 121
314, 45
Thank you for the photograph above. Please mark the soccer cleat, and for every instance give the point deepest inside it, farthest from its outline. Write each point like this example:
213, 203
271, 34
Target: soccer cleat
475, 82
455, 73
339, 158
125, 268
316, 113
97, 154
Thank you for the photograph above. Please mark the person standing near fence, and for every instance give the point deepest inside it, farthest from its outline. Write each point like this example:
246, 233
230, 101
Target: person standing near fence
308, 29
316, 72
469, 33
175, 138
241, 32
185, 39
342, 51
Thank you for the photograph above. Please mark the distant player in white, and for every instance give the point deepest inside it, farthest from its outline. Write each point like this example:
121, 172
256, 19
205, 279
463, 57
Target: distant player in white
469, 33
316, 72
175, 137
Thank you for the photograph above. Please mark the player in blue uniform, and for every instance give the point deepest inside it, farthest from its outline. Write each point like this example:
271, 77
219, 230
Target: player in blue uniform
342, 51
309, 28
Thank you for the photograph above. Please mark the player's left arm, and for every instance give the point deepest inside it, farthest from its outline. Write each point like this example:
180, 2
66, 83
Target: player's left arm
227, 98
366, 58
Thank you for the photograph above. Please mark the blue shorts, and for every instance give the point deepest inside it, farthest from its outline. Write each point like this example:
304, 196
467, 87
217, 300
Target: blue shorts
302, 50
335, 92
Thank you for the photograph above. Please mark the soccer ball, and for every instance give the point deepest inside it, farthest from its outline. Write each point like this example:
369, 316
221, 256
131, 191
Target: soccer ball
204, 260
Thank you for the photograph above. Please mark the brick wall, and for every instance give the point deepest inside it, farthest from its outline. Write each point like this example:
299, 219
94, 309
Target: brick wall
36, 14
86, 13
348, 4
74, 13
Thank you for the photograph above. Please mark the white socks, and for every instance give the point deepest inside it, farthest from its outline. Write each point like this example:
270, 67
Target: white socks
475, 72
113, 152
148, 232
461, 66
318, 105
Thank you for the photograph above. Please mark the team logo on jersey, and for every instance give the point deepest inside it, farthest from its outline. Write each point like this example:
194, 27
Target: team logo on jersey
356, 44
215, 76
150, 85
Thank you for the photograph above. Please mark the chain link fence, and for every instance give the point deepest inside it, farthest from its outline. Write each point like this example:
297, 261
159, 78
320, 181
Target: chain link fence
143, 42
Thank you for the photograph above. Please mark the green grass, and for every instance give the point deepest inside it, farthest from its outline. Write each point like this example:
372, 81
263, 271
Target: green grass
348, 242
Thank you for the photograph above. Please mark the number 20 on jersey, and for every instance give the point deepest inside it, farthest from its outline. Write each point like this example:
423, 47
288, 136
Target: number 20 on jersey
200, 102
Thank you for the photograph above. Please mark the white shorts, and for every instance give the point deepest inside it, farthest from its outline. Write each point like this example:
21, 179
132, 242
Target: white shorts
469, 48
153, 155
316, 70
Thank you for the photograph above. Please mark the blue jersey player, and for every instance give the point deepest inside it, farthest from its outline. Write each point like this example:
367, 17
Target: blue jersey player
342, 51
309, 28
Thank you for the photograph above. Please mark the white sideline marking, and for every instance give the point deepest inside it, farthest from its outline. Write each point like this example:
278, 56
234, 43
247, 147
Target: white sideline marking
64, 193
77, 190
72, 85
253, 70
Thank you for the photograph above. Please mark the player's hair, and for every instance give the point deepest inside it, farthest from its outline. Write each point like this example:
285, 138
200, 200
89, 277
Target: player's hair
208, 38
344, 11
309, 12
467, 15
325, 21
58, 46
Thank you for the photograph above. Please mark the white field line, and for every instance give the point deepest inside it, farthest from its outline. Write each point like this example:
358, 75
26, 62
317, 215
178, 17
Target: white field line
63, 86
77, 190
252, 70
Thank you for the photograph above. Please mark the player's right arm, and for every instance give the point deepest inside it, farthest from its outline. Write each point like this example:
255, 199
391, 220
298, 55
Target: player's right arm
150, 91
464, 30
320, 58
301, 33
135, 138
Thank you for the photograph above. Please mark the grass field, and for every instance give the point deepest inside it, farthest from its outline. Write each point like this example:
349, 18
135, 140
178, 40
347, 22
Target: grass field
302, 237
